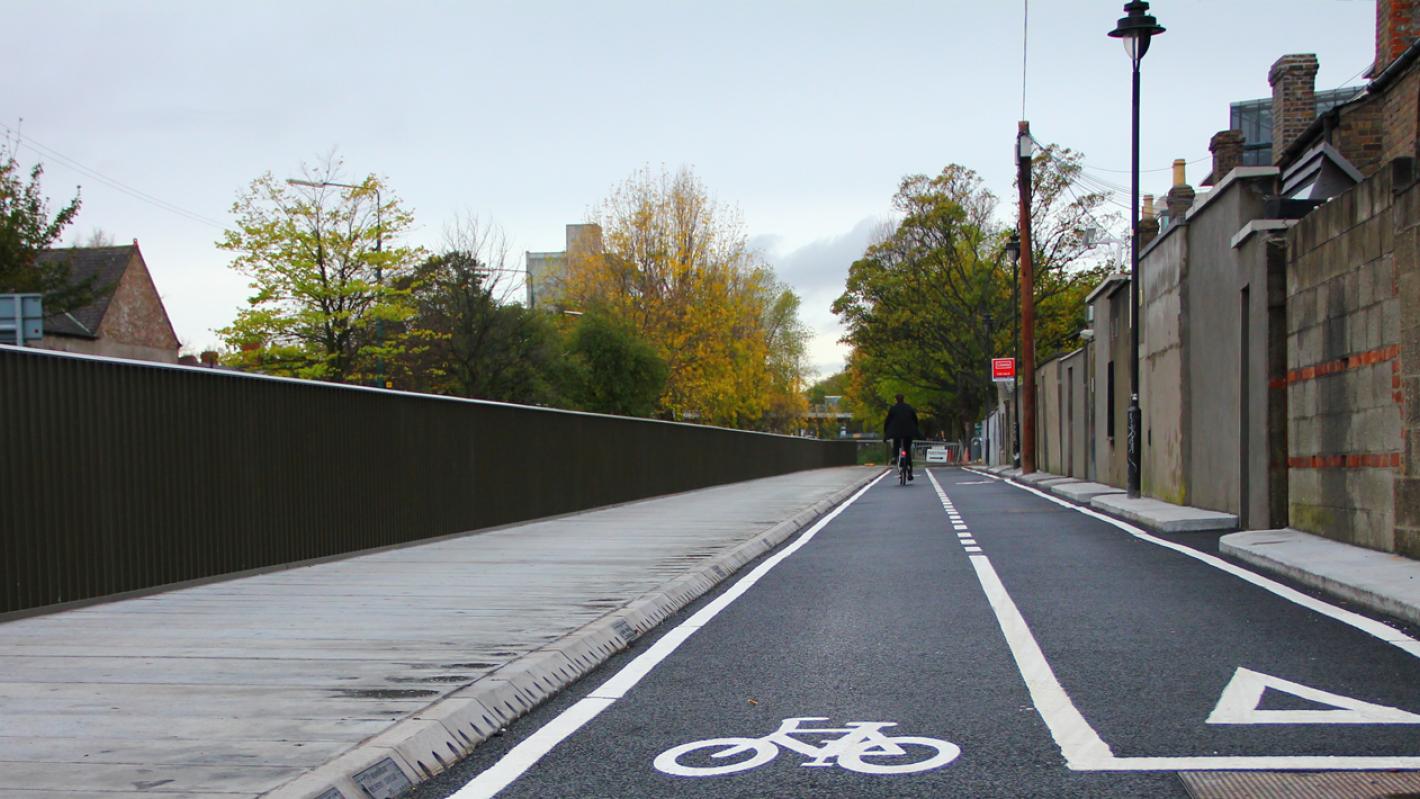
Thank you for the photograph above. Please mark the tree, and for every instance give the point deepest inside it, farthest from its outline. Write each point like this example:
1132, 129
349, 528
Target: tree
930, 301
616, 371
676, 269
325, 265
462, 338
786, 342
26, 230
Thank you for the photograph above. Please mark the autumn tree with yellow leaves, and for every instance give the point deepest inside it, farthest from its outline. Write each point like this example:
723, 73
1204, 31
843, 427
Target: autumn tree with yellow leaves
676, 268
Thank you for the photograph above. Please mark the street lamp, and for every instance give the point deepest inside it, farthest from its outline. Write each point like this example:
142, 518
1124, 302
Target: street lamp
1013, 249
1136, 29
379, 270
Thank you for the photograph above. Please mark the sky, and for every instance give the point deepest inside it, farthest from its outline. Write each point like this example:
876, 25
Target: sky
803, 115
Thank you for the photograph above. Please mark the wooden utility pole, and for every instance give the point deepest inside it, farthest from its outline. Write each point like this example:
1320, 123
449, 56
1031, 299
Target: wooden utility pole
1024, 148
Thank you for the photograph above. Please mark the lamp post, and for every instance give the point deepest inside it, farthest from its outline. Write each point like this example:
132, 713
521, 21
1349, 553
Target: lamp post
1135, 30
1013, 249
379, 270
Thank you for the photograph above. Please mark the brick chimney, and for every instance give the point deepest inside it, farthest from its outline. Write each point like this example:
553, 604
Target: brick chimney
1293, 80
1397, 25
1148, 222
1181, 196
1227, 149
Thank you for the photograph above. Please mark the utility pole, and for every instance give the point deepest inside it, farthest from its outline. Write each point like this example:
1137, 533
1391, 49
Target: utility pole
1024, 148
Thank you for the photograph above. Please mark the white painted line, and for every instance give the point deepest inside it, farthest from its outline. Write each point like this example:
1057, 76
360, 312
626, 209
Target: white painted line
1240, 702
1082, 747
959, 526
527, 753
963, 535
1367, 625
972, 549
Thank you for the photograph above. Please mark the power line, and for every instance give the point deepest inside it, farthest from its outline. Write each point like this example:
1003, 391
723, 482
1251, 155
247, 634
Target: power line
1025, 52
117, 185
1127, 171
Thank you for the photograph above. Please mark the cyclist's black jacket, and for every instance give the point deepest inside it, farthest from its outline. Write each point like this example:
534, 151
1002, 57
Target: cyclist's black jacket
901, 422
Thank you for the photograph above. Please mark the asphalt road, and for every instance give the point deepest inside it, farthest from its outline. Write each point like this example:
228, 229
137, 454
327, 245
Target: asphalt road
1017, 647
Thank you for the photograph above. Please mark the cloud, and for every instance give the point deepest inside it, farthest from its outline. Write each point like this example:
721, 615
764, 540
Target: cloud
818, 271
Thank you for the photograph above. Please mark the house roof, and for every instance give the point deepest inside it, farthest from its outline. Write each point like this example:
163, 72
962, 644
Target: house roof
106, 265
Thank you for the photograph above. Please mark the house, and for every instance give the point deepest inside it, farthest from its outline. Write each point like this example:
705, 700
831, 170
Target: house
126, 319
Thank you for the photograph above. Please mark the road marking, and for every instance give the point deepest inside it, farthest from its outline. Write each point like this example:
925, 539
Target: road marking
972, 549
527, 753
1081, 745
859, 739
1240, 700
1365, 624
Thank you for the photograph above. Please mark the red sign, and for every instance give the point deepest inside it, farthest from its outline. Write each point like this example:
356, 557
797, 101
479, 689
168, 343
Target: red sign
1003, 367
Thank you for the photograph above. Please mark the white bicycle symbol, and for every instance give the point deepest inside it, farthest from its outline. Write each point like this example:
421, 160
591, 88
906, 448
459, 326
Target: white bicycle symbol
859, 739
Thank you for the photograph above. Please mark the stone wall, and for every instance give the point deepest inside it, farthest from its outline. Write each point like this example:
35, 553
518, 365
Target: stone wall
1406, 383
1343, 366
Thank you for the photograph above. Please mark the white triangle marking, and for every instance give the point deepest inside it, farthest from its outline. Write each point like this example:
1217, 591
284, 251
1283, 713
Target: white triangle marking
1239, 705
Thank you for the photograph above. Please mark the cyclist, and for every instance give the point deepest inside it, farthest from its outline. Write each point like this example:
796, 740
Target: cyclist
901, 428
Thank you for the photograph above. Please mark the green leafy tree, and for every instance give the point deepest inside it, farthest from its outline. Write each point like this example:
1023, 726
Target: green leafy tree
325, 264
929, 303
461, 340
616, 371
786, 344
26, 230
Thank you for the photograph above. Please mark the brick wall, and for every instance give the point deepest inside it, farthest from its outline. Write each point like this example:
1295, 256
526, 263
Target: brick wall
1360, 136
1344, 369
1400, 115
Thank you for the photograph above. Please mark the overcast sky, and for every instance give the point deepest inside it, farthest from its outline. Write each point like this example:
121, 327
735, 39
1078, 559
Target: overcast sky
805, 115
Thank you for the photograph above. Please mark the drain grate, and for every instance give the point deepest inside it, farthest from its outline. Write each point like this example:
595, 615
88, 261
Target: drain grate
1302, 785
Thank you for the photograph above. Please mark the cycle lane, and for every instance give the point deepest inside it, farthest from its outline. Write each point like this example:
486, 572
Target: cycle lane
1174, 663
880, 618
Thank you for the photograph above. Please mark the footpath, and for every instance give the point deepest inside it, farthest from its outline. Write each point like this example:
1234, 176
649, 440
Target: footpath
362, 676
1381, 581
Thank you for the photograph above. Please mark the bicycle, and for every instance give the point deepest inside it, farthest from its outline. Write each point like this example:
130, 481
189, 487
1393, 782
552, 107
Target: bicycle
860, 739
903, 467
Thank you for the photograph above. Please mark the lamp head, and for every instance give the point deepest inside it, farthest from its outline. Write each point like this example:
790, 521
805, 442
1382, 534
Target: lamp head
1136, 29
1013, 246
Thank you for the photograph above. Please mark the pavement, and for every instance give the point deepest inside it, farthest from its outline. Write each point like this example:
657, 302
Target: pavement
1381, 581
363, 676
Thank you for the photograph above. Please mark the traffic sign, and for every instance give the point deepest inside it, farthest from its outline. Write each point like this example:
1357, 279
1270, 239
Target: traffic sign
1003, 368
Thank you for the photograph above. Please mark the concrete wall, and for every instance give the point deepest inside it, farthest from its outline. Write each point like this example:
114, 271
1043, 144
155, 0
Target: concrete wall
1074, 374
1344, 368
1111, 349
1047, 417
1233, 340
1164, 310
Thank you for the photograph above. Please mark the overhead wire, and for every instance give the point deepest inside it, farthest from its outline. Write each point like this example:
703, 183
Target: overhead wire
113, 183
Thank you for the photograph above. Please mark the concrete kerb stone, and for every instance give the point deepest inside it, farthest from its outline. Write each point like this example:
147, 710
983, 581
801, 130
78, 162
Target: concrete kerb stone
426, 744
1380, 581
1082, 493
470, 715
1163, 517
465, 718
339, 774
1035, 478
